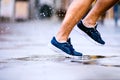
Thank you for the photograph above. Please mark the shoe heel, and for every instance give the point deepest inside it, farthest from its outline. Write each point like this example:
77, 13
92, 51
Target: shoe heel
54, 48
79, 31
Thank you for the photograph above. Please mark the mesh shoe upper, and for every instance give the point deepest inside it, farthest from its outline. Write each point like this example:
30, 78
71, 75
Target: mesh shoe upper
91, 32
66, 47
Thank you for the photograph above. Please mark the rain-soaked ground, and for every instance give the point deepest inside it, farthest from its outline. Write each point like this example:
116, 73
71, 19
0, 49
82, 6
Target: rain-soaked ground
24, 54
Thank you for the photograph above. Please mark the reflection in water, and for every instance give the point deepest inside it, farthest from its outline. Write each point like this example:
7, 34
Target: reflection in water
111, 65
41, 58
96, 60
87, 59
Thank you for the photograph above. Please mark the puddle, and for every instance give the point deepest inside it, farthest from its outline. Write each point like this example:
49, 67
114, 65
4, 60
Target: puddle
107, 61
41, 58
111, 65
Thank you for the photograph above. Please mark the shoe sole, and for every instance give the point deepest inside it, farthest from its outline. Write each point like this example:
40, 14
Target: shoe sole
57, 50
86, 36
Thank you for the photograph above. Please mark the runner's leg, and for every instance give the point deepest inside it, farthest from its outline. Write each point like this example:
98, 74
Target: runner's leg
75, 12
100, 7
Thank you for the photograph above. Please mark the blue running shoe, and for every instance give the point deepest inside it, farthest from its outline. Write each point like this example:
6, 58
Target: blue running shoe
91, 32
65, 47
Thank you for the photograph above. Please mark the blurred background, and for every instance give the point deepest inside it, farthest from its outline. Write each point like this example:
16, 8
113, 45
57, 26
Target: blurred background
26, 28
24, 10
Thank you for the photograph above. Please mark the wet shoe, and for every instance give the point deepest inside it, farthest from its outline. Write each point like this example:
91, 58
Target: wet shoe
65, 47
91, 32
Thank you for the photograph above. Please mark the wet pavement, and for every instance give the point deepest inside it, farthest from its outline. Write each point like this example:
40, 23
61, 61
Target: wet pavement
24, 54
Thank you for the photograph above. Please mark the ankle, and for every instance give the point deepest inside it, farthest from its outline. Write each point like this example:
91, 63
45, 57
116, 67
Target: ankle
60, 39
89, 24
